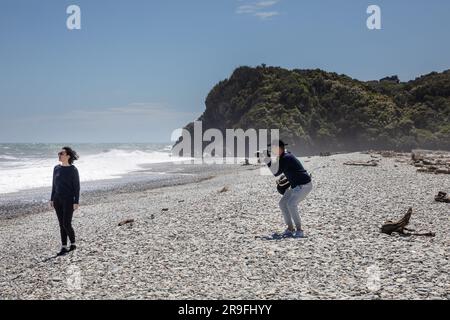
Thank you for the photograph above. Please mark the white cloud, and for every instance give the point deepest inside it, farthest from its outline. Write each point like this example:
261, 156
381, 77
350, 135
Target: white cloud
138, 109
259, 9
266, 15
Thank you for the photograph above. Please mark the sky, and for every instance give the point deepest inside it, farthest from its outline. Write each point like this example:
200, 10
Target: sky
139, 69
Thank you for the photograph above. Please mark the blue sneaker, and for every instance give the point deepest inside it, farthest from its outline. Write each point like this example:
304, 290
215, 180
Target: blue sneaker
287, 234
298, 234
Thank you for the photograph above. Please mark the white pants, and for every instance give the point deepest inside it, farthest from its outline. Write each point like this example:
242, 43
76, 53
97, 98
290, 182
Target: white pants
289, 204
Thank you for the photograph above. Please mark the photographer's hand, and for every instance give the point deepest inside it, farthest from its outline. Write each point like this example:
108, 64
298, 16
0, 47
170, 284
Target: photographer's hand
267, 160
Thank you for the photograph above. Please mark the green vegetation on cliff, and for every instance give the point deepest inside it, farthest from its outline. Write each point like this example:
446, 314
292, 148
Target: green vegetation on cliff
321, 111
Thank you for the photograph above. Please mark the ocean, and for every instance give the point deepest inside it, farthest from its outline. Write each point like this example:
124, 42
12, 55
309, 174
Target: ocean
26, 172
29, 166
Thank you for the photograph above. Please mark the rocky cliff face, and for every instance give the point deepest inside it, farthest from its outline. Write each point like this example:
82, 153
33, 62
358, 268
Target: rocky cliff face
318, 111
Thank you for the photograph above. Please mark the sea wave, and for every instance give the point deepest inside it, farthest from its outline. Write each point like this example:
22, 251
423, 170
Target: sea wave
113, 163
5, 157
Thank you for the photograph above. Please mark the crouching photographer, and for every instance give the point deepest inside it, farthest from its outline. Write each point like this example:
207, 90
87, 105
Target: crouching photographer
295, 184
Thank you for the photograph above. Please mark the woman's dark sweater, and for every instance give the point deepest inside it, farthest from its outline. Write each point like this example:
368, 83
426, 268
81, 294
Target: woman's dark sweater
66, 183
292, 169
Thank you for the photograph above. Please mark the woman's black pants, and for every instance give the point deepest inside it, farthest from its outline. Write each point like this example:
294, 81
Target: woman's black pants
64, 211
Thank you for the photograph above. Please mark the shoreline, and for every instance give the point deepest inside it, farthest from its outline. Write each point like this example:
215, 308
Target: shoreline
151, 176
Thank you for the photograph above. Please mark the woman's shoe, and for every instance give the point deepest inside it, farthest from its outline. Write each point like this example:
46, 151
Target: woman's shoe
287, 234
62, 252
72, 247
298, 234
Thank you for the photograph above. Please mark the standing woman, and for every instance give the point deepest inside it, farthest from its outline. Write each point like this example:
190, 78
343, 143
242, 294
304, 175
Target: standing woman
65, 196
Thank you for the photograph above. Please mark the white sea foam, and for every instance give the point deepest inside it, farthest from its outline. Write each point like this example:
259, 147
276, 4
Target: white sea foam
4, 157
35, 173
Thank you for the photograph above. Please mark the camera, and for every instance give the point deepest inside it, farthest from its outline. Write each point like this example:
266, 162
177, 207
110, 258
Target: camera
263, 154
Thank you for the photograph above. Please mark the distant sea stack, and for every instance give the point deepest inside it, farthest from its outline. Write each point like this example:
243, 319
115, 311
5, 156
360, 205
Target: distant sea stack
318, 111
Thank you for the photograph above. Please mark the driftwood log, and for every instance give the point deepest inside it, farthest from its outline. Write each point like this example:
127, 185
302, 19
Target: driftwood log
371, 163
390, 154
442, 197
427, 161
400, 226
390, 226
124, 222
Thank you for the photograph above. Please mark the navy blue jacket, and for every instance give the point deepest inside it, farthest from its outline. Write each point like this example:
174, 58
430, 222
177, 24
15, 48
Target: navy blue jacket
292, 168
66, 183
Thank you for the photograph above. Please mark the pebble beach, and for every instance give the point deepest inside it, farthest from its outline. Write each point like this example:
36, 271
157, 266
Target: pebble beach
203, 240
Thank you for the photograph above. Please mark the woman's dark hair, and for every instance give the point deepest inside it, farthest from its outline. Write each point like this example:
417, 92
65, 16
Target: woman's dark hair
72, 153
